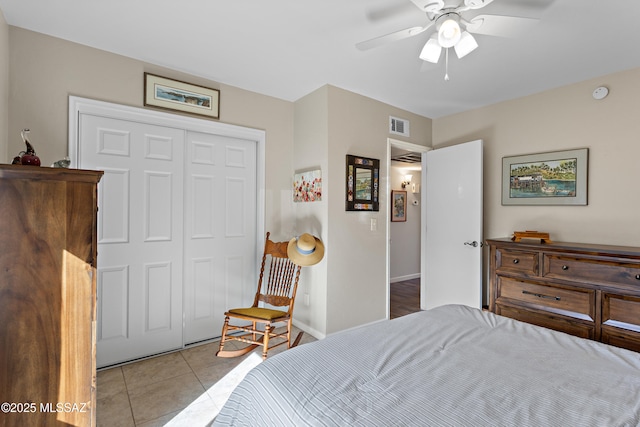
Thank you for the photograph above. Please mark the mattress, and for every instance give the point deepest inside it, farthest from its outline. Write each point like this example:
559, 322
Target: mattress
449, 366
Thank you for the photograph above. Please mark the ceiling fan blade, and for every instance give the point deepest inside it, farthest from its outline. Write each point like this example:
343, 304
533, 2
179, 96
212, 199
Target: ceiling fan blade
398, 35
501, 26
431, 6
476, 4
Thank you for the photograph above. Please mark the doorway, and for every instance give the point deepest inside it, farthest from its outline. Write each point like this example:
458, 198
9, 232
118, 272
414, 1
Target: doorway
451, 244
404, 246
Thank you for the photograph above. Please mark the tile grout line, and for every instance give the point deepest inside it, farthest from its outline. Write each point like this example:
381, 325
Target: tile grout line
126, 387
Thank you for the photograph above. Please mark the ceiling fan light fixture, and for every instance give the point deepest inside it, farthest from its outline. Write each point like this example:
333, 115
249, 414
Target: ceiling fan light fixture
431, 51
449, 32
466, 45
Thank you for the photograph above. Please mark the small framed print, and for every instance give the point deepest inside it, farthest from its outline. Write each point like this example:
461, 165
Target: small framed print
307, 186
398, 205
362, 184
175, 95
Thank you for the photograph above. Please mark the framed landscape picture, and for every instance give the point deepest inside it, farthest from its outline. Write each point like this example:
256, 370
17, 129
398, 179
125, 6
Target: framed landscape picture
553, 178
181, 96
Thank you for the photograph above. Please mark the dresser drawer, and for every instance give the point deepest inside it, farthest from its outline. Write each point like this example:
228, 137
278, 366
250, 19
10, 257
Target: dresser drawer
576, 303
620, 338
621, 311
595, 271
514, 261
621, 321
550, 321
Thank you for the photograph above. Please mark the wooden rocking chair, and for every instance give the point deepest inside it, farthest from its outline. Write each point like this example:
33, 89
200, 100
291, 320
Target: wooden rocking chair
278, 290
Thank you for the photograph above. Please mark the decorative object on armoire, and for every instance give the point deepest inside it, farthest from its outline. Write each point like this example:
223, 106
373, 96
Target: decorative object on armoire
62, 163
181, 96
27, 157
48, 295
307, 186
305, 250
588, 290
398, 205
553, 178
362, 184
530, 234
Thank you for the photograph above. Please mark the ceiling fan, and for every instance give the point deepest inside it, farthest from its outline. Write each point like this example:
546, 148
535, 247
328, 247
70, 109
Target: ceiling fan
453, 29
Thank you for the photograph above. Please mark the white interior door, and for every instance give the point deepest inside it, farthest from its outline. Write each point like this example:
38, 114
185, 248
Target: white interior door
220, 229
452, 272
140, 239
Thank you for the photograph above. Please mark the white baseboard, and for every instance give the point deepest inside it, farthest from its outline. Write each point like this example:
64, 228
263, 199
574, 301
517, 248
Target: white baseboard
306, 328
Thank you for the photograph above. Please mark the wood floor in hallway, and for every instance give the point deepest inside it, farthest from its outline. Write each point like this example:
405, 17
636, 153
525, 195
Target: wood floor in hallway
404, 297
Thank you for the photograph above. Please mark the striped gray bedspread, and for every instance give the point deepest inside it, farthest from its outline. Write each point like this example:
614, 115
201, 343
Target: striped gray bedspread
449, 366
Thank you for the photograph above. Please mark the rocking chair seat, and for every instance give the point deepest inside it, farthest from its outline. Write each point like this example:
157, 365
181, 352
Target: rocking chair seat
259, 313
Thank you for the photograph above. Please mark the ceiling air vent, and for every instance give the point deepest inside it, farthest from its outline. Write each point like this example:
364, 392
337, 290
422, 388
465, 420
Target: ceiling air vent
399, 126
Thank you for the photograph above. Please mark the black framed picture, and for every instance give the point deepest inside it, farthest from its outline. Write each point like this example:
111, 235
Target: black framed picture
362, 184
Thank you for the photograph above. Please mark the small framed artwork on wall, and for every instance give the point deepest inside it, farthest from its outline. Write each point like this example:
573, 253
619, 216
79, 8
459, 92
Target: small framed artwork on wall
307, 186
175, 95
362, 184
398, 205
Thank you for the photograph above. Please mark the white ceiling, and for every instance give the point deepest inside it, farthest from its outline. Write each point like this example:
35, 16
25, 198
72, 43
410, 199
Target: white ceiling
289, 48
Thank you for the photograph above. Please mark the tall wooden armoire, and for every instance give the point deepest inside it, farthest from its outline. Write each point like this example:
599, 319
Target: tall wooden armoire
47, 296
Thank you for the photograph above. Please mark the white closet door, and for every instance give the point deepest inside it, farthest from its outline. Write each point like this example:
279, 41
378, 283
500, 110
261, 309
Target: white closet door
220, 231
140, 235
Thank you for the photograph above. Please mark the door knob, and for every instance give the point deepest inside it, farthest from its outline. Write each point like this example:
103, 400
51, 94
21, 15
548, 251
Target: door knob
474, 244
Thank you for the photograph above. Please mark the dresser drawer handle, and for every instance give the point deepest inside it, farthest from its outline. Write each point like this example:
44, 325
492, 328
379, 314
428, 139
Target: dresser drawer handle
565, 267
541, 295
516, 260
637, 276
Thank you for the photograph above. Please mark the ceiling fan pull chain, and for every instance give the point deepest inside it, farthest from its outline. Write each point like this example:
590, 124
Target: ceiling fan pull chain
446, 65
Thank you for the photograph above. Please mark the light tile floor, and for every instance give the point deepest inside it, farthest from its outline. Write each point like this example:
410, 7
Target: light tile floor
184, 388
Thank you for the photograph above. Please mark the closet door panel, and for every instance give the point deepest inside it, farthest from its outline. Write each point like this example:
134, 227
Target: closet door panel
220, 229
140, 221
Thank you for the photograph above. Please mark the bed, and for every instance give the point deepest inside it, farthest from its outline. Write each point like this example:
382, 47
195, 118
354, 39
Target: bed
449, 366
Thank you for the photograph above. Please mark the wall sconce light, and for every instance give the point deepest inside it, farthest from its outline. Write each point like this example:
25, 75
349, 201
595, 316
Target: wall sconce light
407, 181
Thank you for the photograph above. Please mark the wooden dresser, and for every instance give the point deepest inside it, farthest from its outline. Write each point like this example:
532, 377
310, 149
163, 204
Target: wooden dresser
588, 290
47, 296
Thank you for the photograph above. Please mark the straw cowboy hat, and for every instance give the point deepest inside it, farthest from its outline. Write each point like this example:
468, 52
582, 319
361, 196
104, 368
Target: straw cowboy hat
305, 250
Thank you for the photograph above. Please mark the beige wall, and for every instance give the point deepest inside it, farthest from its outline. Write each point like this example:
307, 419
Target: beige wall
561, 119
4, 89
349, 287
311, 152
356, 256
45, 71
